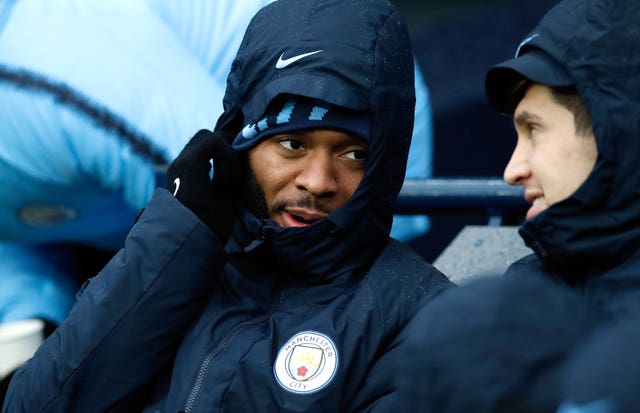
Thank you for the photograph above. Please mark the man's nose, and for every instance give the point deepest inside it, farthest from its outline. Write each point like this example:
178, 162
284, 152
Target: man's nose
517, 170
318, 175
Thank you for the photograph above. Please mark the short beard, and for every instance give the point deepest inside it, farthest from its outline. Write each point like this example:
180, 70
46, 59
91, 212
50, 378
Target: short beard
253, 198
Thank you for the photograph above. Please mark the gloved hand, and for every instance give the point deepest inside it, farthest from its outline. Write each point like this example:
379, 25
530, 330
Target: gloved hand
213, 201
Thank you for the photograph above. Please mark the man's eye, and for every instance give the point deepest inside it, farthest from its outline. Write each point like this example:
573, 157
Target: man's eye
291, 144
357, 155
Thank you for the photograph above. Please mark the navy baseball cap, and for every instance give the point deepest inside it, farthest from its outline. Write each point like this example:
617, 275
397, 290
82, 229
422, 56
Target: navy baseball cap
298, 114
533, 63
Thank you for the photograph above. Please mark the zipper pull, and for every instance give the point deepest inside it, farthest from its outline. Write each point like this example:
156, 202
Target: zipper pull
256, 242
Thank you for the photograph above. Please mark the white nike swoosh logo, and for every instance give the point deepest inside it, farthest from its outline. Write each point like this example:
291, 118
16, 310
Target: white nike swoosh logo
525, 41
176, 182
282, 63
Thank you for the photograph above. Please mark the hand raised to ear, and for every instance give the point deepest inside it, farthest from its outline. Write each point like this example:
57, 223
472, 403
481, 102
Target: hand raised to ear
213, 201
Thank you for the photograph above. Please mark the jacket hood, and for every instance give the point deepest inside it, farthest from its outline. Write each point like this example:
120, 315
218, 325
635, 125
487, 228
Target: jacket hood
597, 43
359, 57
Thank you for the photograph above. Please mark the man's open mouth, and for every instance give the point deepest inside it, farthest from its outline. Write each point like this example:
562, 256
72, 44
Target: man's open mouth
296, 217
304, 221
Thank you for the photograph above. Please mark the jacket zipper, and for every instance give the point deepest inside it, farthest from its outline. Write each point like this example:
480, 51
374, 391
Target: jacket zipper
204, 367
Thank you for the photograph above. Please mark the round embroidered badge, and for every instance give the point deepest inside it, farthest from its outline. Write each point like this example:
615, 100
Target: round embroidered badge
306, 362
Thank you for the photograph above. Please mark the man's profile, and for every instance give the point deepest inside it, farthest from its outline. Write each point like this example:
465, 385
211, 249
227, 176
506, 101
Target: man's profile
502, 345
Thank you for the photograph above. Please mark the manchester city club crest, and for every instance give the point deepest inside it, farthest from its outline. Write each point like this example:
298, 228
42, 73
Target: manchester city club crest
306, 362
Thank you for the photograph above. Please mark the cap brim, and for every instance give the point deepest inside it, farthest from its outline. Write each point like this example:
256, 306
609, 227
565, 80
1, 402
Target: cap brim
502, 80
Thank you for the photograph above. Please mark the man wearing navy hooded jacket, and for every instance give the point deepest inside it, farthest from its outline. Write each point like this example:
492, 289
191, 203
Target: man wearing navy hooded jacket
273, 286
574, 94
573, 91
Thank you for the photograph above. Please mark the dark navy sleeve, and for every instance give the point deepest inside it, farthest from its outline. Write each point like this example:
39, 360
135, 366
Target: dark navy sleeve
128, 321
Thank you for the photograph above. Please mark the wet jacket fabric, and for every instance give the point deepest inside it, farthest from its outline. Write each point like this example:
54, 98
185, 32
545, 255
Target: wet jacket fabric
592, 239
279, 319
494, 345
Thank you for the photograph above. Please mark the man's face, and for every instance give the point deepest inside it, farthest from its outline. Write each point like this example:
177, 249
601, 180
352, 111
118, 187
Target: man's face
307, 174
550, 159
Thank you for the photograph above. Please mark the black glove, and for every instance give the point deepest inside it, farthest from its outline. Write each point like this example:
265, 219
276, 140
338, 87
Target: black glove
213, 201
